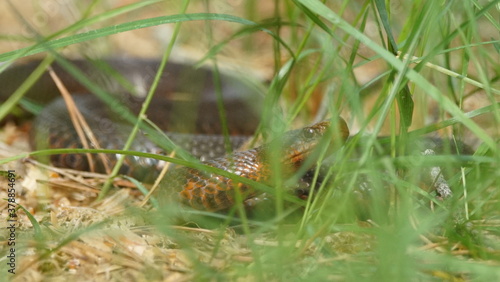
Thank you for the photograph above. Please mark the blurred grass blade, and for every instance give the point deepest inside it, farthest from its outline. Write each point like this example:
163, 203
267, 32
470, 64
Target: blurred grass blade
36, 226
418, 79
384, 17
404, 98
102, 32
81, 24
15, 97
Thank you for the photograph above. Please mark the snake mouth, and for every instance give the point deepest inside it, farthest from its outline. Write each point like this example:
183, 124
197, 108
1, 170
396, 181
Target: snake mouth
295, 157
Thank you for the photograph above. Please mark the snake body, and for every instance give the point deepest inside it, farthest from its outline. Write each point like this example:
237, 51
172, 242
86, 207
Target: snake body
212, 192
185, 108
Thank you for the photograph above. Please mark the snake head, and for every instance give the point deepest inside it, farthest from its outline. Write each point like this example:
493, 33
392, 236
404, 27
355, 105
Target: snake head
213, 192
298, 145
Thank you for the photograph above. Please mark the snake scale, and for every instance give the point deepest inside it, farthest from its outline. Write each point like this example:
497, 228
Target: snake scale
185, 108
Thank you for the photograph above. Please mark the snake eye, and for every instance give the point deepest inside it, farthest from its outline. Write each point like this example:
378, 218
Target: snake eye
309, 133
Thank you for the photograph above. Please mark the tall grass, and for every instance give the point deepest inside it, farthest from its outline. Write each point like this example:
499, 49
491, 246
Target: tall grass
372, 218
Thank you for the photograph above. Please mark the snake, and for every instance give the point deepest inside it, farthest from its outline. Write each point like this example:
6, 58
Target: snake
187, 108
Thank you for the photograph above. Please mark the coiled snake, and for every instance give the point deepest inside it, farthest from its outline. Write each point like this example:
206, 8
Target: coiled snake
185, 108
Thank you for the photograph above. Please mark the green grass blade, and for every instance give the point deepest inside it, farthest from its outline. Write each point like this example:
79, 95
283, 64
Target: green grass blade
418, 79
102, 32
